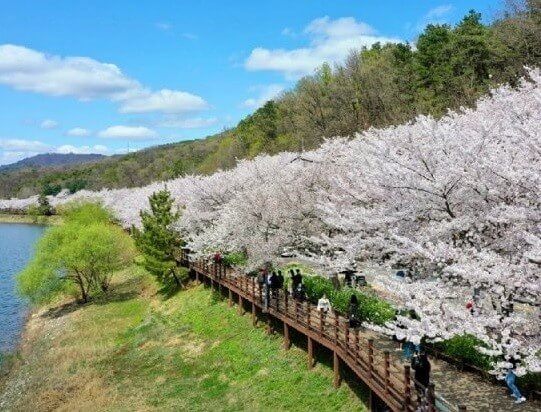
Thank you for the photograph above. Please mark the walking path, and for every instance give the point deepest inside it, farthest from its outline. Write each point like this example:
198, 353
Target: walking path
373, 357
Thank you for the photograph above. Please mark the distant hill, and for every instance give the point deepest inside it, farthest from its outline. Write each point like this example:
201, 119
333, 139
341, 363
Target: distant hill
52, 160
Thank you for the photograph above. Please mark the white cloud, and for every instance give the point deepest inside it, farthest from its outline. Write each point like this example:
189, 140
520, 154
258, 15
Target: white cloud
21, 145
78, 132
67, 148
190, 36
439, 11
165, 101
190, 123
165, 26
266, 93
330, 41
48, 124
86, 79
436, 15
128, 132
288, 32
82, 77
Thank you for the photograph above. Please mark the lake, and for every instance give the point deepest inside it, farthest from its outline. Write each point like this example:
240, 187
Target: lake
16, 248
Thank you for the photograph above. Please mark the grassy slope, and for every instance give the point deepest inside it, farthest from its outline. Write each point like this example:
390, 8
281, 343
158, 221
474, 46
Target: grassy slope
136, 351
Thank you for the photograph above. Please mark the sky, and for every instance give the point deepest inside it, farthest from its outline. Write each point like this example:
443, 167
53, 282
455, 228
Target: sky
116, 76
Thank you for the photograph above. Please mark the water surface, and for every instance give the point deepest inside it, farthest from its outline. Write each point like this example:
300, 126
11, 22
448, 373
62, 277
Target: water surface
16, 248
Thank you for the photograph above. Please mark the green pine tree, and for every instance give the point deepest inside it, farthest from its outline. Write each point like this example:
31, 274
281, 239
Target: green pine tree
157, 241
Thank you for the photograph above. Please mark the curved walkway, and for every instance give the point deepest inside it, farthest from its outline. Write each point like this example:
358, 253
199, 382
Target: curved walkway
373, 357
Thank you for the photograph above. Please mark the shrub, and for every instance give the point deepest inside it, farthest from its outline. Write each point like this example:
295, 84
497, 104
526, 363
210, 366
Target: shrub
234, 259
530, 382
371, 308
463, 348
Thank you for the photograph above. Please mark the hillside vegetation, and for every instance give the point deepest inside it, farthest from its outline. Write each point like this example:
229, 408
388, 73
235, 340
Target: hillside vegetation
137, 350
385, 85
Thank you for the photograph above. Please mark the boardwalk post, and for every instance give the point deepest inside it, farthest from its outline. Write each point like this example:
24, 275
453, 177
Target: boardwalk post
371, 355
310, 353
461, 408
336, 367
287, 341
230, 300
387, 371
356, 348
241, 309
407, 387
254, 314
197, 276
309, 311
346, 334
335, 328
431, 397
269, 324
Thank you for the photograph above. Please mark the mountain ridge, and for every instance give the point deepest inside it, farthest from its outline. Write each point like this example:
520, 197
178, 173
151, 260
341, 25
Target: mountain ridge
49, 160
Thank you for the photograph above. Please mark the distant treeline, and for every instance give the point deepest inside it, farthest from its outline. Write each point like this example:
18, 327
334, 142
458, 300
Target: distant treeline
384, 85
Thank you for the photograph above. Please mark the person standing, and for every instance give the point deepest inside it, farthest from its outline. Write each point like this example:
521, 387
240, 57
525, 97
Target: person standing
280, 280
323, 304
296, 280
353, 311
421, 365
510, 381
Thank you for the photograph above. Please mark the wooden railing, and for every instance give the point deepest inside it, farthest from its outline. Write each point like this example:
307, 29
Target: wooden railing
392, 382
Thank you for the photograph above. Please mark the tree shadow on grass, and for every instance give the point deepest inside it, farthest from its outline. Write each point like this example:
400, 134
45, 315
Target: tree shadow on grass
119, 292
170, 289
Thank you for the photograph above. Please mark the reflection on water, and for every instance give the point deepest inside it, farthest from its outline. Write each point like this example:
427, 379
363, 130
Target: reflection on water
16, 248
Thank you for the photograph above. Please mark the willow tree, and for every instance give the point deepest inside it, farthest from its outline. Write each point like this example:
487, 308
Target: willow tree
82, 253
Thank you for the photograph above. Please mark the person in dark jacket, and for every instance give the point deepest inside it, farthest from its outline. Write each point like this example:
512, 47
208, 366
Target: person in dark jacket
296, 280
421, 365
273, 283
353, 310
280, 280
301, 293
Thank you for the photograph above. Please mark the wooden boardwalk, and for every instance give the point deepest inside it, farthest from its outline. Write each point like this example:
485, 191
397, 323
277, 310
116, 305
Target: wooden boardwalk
387, 380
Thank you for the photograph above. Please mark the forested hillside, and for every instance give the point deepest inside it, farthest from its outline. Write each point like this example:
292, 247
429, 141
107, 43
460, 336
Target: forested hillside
448, 67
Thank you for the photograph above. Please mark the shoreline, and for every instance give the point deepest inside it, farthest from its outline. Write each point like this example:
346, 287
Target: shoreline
27, 219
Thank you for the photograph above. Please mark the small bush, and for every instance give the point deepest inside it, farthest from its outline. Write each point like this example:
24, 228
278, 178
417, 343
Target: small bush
530, 382
371, 308
234, 259
463, 348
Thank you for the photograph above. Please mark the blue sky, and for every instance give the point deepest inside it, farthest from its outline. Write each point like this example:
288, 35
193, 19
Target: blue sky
80, 76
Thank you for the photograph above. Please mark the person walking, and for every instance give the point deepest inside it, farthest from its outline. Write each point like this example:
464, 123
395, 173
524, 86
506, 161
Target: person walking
300, 293
296, 280
421, 365
510, 381
353, 311
323, 304
280, 279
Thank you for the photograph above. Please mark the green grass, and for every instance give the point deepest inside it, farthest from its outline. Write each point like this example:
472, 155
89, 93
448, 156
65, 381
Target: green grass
137, 351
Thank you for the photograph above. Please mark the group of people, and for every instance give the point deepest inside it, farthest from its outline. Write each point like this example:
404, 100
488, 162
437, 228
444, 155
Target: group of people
272, 282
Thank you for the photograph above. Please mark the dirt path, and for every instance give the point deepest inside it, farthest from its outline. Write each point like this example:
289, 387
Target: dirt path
459, 387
